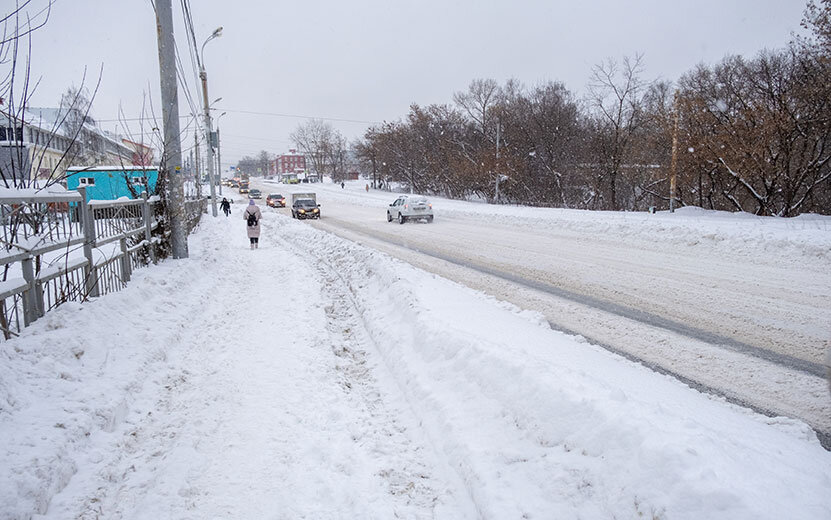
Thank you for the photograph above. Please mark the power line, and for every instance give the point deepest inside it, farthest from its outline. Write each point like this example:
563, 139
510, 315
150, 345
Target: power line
296, 116
272, 114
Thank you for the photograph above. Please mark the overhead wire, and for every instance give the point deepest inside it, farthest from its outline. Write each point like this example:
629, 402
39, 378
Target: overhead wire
298, 116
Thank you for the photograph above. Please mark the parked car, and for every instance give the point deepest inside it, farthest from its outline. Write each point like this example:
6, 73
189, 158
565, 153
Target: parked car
255, 194
410, 207
275, 200
305, 208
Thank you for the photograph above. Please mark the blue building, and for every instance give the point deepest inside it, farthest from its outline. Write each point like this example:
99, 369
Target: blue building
112, 182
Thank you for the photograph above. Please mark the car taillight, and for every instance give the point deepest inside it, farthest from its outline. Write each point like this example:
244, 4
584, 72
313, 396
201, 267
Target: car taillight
431, 206
406, 206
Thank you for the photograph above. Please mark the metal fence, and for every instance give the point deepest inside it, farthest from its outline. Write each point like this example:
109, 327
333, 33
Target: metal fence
56, 249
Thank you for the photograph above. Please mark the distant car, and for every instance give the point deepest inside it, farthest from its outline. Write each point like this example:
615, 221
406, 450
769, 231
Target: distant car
275, 200
255, 194
410, 207
305, 208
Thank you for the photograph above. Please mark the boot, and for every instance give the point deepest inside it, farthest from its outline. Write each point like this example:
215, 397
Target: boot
252, 246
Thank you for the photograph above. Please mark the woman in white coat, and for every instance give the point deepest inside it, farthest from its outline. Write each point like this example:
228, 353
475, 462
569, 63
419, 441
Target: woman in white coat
252, 216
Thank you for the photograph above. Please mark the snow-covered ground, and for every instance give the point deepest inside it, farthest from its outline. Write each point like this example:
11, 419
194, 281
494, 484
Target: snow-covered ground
319, 378
735, 303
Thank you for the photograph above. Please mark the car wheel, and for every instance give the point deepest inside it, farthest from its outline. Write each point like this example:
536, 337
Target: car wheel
430, 218
400, 218
389, 217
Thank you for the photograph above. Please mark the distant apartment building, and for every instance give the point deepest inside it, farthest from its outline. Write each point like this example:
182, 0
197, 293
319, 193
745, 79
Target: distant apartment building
288, 163
142, 154
38, 144
30, 151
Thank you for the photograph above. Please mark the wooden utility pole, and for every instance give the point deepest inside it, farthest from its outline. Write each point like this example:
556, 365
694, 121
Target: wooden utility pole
674, 164
172, 151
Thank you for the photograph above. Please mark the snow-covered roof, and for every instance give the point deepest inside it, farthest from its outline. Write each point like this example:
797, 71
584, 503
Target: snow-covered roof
126, 167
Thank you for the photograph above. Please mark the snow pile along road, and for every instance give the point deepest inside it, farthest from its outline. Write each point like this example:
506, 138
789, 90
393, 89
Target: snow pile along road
316, 378
733, 303
538, 423
689, 227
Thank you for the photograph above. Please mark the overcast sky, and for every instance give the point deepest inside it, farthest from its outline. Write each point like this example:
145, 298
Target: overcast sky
368, 60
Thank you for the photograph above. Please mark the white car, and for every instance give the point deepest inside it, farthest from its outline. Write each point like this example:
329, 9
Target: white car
410, 207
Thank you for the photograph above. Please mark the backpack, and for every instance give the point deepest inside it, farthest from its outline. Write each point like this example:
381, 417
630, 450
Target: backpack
252, 219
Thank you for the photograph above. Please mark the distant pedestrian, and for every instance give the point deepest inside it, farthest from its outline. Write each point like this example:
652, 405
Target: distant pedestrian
342, 185
252, 216
367, 188
225, 206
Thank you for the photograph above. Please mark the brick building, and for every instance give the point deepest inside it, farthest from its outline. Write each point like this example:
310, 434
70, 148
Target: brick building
291, 162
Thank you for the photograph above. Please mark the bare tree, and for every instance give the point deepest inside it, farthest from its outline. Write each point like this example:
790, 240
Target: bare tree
324, 147
615, 93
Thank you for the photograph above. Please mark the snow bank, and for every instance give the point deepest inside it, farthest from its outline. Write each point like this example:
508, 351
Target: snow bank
538, 423
739, 233
72, 375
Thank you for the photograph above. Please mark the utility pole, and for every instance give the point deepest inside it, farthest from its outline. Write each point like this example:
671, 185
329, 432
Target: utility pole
190, 168
374, 183
674, 163
172, 152
197, 174
203, 75
218, 158
498, 175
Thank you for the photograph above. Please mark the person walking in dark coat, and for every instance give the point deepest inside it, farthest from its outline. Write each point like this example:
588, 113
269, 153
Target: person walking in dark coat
225, 206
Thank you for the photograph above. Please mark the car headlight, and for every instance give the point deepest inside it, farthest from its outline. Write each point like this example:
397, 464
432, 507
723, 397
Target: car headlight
316, 210
302, 211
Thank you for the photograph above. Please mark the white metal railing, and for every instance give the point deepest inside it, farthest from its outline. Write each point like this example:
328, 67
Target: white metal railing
56, 249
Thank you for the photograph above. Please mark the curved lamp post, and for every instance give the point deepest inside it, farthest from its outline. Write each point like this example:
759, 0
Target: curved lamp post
203, 75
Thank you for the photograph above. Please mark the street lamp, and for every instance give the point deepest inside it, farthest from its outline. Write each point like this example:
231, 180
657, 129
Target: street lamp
203, 75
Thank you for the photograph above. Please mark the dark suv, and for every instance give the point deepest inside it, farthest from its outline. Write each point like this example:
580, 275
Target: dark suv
305, 208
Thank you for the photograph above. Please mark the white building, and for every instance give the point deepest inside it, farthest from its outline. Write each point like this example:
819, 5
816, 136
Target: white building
37, 145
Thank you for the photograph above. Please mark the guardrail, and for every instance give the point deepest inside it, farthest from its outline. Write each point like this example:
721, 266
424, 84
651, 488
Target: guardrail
58, 249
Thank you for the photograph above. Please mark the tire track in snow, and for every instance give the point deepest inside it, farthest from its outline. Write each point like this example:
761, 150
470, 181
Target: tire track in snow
638, 315
410, 469
784, 390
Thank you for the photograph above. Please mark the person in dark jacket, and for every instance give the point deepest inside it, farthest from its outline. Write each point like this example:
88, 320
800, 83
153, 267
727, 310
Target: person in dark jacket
225, 206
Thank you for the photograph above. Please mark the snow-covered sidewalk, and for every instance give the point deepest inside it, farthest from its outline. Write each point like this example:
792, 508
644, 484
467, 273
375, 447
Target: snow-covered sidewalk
315, 378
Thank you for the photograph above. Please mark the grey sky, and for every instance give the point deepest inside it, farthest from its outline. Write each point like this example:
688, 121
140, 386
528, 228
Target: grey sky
368, 60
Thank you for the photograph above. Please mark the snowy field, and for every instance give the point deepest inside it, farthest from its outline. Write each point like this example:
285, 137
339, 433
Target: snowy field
319, 378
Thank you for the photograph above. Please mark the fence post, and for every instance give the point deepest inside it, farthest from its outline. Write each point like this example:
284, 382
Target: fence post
125, 260
148, 228
31, 308
39, 302
87, 220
